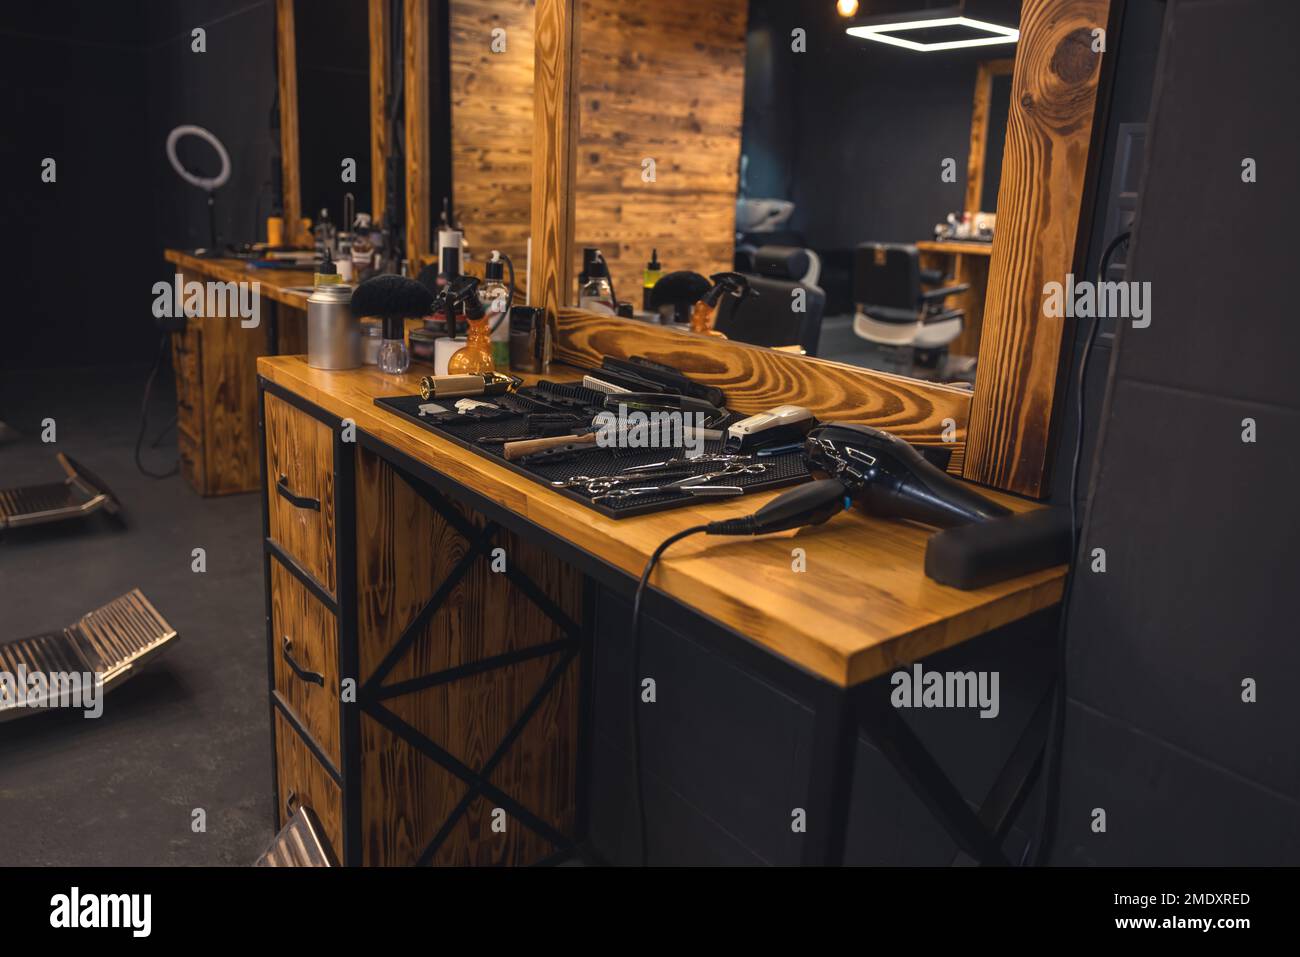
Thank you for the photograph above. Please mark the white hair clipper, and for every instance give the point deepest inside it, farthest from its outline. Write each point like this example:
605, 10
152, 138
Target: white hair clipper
784, 425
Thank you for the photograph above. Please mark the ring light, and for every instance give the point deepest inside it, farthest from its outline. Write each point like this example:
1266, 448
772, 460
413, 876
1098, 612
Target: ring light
202, 182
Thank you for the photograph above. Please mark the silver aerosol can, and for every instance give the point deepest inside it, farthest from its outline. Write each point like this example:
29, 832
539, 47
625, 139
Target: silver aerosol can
333, 333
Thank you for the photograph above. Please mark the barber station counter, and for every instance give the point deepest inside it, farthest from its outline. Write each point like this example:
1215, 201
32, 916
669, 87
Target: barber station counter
484, 622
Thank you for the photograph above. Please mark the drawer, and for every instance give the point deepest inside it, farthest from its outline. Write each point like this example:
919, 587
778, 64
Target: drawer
300, 487
302, 781
306, 656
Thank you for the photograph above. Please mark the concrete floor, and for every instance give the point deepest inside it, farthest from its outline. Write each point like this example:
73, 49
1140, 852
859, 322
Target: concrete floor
192, 731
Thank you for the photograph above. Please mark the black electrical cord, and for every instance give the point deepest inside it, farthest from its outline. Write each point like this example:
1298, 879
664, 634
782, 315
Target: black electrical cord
1056, 735
636, 678
144, 415
809, 504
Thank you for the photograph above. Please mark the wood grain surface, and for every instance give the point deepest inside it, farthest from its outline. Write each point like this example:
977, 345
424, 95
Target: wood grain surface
979, 129
301, 777
215, 364
279, 285
313, 635
955, 247
301, 449
863, 607
492, 125
378, 17
1044, 170
755, 378
555, 139
419, 204
287, 65
665, 85
668, 87
406, 551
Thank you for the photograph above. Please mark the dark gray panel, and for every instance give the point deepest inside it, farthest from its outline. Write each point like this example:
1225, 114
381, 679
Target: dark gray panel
1163, 806
677, 833
727, 742
1217, 258
888, 824
1201, 568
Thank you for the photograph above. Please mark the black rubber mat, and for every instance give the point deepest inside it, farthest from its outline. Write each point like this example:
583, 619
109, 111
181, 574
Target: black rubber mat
785, 469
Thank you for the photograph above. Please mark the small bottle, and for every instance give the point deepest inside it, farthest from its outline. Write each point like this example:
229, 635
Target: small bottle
362, 249
327, 274
494, 294
597, 295
653, 272
393, 355
325, 233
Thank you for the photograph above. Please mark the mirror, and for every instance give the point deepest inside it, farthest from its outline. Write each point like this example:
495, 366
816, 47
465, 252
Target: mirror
330, 59
854, 183
491, 116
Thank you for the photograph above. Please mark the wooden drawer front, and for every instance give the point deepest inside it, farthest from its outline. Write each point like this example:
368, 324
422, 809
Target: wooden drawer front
300, 487
305, 651
303, 780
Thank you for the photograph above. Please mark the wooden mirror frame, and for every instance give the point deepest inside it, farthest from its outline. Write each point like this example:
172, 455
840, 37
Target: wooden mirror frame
287, 77
979, 129
1001, 431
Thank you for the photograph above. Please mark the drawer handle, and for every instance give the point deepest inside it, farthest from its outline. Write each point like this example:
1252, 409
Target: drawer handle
300, 501
291, 802
286, 649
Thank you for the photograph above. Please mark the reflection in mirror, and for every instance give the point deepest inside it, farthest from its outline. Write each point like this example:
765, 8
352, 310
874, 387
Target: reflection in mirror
325, 68
333, 54
851, 180
492, 125
660, 100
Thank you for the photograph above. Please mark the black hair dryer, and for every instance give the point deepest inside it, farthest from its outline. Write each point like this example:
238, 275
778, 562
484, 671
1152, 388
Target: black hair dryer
886, 476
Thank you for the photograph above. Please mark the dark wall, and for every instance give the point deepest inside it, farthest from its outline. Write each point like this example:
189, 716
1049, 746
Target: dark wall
229, 90
333, 50
854, 132
1199, 527
72, 78
1129, 101
97, 87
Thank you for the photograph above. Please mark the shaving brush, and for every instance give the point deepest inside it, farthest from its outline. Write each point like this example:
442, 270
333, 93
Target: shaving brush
392, 299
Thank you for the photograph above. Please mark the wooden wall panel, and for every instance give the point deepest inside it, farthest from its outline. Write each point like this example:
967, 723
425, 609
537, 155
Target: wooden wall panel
492, 124
1044, 174
664, 83
668, 86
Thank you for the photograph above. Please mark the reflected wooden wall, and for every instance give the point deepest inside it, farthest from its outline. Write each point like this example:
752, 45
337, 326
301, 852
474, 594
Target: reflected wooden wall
665, 83
492, 124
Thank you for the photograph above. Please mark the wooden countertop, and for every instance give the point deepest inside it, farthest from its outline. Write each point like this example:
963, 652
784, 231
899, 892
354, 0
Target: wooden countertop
276, 284
862, 608
964, 247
